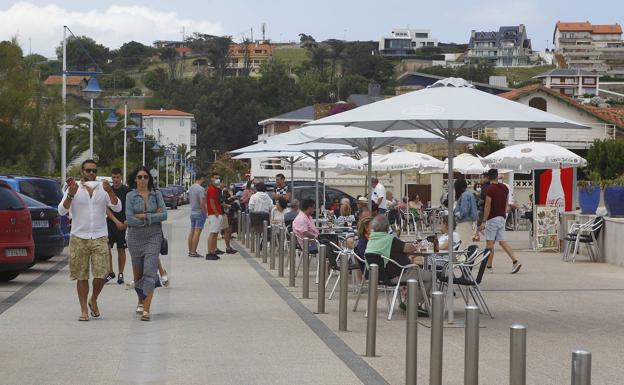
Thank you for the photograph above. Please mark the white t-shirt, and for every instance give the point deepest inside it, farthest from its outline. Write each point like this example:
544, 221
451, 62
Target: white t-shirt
378, 192
444, 238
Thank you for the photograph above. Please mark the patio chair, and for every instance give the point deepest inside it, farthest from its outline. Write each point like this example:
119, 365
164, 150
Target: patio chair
586, 233
334, 265
299, 255
471, 283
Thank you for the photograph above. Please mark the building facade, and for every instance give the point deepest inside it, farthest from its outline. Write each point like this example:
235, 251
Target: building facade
590, 47
405, 41
248, 57
507, 47
168, 127
571, 82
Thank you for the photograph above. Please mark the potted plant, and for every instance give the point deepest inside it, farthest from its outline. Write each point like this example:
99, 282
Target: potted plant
589, 196
614, 196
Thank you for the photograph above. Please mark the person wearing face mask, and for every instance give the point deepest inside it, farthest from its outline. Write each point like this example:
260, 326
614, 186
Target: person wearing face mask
215, 214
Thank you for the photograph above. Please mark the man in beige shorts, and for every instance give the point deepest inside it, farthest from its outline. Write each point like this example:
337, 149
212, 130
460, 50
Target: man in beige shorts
87, 200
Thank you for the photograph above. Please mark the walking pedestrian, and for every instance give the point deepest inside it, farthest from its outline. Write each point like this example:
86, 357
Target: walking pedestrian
281, 188
87, 200
116, 223
215, 214
494, 213
197, 200
145, 212
465, 212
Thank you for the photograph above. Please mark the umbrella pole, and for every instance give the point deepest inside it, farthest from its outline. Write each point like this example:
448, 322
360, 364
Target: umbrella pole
292, 178
450, 305
316, 188
401, 186
323, 175
368, 177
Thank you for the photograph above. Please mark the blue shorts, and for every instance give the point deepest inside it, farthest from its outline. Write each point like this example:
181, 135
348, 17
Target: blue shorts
198, 221
495, 229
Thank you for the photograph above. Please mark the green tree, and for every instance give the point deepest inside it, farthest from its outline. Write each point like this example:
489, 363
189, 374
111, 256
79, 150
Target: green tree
131, 55
115, 81
84, 54
605, 159
488, 146
215, 48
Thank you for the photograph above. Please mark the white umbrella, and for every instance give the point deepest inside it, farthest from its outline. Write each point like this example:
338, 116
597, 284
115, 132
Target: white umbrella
400, 161
467, 164
370, 140
449, 107
533, 156
280, 144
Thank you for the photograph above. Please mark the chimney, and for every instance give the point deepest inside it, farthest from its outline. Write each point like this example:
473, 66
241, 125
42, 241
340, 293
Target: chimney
374, 89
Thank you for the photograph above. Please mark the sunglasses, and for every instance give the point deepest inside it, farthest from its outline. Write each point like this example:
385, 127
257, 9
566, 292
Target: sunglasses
90, 170
144, 176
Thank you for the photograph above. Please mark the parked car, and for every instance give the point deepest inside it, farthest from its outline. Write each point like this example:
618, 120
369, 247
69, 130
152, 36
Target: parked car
46, 225
182, 192
17, 249
45, 190
170, 196
308, 192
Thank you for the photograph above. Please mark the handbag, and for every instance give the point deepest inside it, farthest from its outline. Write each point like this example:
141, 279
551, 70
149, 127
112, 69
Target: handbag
164, 244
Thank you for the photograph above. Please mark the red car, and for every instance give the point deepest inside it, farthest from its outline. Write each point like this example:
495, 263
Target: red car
17, 248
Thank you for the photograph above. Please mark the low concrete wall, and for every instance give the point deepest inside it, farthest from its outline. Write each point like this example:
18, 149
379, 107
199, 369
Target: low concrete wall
611, 239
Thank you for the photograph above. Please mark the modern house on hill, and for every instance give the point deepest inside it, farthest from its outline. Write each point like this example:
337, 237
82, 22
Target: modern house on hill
405, 41
590, 47
507, 47
571, 82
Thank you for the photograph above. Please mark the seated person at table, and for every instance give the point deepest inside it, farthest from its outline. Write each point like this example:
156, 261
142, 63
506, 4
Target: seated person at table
335, 206
345, 217
443, 239
303, 225
292, 213
277, 213
388, 245
363, 232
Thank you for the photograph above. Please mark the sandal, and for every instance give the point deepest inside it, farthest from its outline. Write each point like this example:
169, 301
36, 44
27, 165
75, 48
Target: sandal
93, 312
83, 318
139, 309
145, 316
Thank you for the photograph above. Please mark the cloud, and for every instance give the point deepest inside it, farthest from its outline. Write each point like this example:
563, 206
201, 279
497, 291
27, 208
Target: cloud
111, 27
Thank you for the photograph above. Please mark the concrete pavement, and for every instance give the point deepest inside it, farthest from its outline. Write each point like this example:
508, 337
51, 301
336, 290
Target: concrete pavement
218, 323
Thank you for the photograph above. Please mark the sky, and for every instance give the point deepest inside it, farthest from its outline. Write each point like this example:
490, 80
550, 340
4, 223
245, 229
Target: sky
38, 24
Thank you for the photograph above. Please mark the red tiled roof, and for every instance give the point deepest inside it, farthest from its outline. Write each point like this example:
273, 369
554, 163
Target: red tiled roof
589, 27
161, 112
183, 49
607, 29
57, 80
609, 115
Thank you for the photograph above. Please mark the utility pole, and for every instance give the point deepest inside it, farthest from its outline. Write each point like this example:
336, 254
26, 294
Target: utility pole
64, 97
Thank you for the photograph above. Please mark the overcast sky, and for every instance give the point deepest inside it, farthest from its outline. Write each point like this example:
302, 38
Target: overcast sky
113, 22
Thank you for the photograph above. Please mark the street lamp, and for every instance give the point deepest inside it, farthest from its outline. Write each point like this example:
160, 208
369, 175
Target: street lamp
156, 149
92, 91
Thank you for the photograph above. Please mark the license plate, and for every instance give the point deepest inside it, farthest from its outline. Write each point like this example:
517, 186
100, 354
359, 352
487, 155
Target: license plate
16, 252
40, 224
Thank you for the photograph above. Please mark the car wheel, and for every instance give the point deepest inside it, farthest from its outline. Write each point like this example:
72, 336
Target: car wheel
6, 276
45, 257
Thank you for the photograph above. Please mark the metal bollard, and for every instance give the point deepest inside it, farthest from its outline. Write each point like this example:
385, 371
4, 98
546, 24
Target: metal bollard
344, 291
258, 245
437, 330
291, 259
265, 241
280, 252
306, 268
320, 307
252, 241
273, 247
371, 321
471, 352
411, 345
248, 240
517, 355
581, 367
239, 226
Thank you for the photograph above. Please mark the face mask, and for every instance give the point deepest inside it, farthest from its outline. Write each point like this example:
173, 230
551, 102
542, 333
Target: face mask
478, 189
252, 186
217, 181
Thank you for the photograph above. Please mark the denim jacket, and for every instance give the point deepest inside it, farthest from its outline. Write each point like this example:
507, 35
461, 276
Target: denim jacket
466, 209
136, 205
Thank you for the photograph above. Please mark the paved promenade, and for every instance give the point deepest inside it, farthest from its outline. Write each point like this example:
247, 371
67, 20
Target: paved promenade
234, 322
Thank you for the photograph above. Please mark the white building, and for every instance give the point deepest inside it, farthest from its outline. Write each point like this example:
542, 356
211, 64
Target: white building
168, 127
405, 41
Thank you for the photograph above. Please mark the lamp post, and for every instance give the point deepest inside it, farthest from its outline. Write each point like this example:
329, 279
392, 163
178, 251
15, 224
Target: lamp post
92, 91
156, 149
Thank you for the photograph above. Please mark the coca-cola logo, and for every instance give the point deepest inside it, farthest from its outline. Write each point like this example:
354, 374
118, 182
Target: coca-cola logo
557, 202
526, 150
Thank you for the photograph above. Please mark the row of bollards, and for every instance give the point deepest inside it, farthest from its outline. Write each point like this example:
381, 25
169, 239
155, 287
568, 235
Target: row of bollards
270, 244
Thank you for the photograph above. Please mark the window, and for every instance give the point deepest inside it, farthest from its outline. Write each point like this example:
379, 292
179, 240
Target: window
537, 135
181, 122
9, 200
589, 80
422, 35
193, 140
568, 91
44, 190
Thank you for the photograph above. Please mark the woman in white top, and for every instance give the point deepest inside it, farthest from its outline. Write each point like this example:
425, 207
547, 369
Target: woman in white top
443, 239
345, 213
277, 213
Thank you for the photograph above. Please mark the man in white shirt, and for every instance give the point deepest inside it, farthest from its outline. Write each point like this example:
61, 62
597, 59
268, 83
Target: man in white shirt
87, 200
379, 196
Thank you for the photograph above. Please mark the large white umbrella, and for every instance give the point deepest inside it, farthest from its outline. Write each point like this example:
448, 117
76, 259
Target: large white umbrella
448, 107
534, 156
400, 161
467, 164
